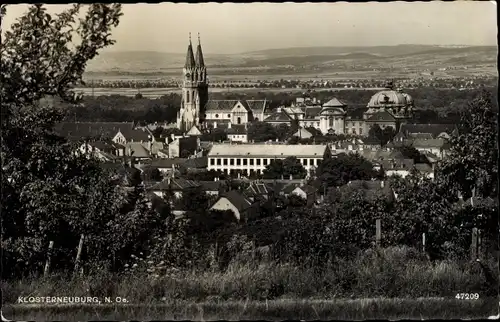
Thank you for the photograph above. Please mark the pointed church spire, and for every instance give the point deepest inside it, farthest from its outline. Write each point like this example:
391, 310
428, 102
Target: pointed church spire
190, 63
199, 54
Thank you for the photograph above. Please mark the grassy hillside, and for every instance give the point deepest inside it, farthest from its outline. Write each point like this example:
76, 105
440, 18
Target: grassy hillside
300, 60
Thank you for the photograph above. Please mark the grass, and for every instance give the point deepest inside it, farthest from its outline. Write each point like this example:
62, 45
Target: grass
341, 309
394, 283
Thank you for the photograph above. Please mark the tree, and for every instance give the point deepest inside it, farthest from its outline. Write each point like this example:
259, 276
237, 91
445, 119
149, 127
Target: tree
261, 132
473, 158
335, 172
51, 193
375, 132
409, 152
290, 166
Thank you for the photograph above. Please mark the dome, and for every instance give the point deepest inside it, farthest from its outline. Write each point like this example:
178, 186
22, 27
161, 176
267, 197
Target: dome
388, 98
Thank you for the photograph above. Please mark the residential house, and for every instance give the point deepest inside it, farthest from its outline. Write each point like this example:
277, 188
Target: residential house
369, 189
213, 188
279, 116
176, 186
242, 207
305, 191
194, 131
167, 165
138, 150
303, 133
237, 133
259, 191
129, 135
234, 111
425, 169
425, 131
439, 147
399, 167
104, 151
199, 164
183, 146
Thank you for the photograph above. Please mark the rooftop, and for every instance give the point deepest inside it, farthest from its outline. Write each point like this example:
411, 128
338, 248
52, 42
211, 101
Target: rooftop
269, 150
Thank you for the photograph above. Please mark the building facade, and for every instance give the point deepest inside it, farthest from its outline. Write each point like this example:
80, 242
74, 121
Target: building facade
253, 158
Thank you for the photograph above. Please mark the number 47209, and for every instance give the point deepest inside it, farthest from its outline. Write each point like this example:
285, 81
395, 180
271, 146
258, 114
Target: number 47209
467, 296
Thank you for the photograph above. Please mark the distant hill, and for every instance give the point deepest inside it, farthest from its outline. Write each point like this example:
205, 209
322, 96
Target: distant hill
401, 55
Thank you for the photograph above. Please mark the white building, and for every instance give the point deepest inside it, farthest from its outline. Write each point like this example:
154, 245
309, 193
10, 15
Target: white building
253, 158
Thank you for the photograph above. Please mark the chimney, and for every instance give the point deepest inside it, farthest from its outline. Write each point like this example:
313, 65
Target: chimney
291, 177
229, 125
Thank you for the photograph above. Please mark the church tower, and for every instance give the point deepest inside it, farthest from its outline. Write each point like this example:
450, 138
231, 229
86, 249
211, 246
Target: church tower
194, 89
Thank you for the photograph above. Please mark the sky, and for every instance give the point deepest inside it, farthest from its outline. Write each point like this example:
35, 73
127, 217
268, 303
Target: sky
230, 28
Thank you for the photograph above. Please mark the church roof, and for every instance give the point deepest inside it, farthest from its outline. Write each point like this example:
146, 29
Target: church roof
199, 61
256, 106
190, 62
280, 116
334, 102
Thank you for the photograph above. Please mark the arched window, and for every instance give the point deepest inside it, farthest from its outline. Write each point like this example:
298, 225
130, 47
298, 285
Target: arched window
239, 120
331, 121
216, 115
229, 115
187, 97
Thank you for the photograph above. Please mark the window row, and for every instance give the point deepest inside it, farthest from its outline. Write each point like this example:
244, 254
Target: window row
257, 161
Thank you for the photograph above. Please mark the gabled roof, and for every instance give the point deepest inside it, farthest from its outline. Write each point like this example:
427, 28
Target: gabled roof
136, 149
302, 132
256, 106
397, 164
334, 102
280, 116
382, 116
175, 184
259, 188
433, 129
432, 143
237, 200
167, 163
289, 188
196, 163
212, 185
194, 130
421, 136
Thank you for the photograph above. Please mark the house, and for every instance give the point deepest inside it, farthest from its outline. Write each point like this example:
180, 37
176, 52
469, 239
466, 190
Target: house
138, 150
303, 133
305, 191
397, 167
259, 191
253, 158
235, 111
194, 131
279, 116
183, 146
176, 186
133, 135
122, 173
383, 119
241, 206
439, 147
213, 188
167, 165
237, 133
198, 164
426, 131
104, 151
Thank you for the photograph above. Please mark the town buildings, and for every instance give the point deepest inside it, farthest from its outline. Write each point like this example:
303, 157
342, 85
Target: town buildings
390, 107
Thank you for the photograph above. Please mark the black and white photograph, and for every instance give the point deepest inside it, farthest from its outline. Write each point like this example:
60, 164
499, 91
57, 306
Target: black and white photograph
249, 161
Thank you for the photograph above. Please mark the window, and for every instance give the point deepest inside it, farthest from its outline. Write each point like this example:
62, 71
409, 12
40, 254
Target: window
360, 130
225, 161
251, 161
231, 161
218, 162
331, 122
245, 161
212, 161
258, 161
239, 120
238, 161
311, 161
216, 116
264, 161
229, 115
187, 97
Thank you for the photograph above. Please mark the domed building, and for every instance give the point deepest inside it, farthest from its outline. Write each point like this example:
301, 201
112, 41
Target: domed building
388, 108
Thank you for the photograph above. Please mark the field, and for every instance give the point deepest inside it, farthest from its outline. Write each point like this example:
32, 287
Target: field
157, 92
306, 63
